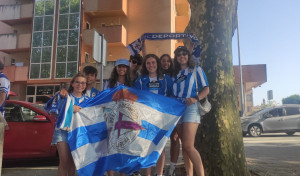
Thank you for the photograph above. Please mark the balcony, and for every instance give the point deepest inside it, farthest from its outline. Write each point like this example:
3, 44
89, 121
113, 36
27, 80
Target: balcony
16, 14
13, 43
114, 35
253, 75
15, 74
183, 13
181, 23
102, 8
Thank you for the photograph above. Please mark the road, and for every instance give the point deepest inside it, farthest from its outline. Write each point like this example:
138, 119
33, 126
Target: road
273, 154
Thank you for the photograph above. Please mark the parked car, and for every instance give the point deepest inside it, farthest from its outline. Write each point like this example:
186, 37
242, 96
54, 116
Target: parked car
30, 131
284, 118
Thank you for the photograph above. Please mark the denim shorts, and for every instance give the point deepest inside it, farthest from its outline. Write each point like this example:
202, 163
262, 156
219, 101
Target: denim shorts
59, 136
191, 114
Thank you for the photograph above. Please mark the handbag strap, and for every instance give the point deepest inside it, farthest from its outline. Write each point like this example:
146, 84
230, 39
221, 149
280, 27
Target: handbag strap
195, 75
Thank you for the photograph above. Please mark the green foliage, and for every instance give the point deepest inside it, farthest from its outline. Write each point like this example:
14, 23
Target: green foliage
293, 99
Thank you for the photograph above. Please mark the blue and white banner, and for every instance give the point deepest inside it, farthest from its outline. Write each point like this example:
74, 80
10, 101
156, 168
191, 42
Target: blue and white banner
136, 46
121, 129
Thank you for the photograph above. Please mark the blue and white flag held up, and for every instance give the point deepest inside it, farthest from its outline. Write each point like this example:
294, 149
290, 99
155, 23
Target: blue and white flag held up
136, 46
121, 129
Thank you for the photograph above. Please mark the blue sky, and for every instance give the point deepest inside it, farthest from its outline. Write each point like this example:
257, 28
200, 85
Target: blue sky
270, 34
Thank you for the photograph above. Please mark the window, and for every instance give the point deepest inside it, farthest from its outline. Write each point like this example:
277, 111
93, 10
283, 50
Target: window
276, 112
87, 57
87, 25
42, 39
249, 108
18, 113
249, 97
13, 113
41, 94
67, 44
28, 114
67, 38
292, 110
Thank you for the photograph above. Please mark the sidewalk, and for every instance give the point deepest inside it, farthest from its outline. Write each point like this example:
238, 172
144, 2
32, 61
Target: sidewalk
52, 170
30, 171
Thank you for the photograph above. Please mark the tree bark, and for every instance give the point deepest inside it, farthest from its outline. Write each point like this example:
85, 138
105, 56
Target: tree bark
219, 138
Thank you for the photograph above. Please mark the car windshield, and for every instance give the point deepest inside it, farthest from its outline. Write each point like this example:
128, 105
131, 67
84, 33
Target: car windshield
260, 111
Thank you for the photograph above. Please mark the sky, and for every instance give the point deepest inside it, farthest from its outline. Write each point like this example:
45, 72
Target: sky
269, 32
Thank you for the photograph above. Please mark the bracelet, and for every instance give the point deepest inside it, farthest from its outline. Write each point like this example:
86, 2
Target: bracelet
197, 98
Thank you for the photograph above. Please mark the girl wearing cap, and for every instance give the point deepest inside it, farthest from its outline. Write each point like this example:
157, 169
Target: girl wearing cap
184, 89
120, 75
154, 81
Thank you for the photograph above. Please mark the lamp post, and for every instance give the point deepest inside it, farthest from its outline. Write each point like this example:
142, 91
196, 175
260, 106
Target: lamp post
240, 68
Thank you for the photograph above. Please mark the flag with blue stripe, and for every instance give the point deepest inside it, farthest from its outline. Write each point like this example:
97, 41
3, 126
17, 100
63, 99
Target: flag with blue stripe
121, 129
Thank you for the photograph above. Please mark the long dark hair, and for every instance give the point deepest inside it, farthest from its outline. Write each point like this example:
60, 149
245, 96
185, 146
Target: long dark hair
114, 76
144, 69
71, 88
169, 71
190, 63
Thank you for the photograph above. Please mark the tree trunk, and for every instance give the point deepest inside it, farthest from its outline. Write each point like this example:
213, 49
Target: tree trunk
219, 138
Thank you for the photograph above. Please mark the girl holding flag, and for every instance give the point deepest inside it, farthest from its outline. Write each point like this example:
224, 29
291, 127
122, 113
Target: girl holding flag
119, 76
186, 77
154, 81
76, 93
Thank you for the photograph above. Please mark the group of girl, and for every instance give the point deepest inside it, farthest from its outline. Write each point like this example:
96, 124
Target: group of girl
183, 81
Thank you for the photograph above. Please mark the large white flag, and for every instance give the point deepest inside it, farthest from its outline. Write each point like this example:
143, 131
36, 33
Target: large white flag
121, 129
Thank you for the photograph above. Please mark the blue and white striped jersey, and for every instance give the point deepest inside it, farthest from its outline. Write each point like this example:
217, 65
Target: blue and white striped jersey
77, 100
4, 87
184, 83
161, 86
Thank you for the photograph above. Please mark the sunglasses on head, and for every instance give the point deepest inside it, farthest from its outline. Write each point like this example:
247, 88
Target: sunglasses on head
135, 62
184, 53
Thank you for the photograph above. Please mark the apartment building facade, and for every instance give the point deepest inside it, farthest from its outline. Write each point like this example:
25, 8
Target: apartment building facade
45, 42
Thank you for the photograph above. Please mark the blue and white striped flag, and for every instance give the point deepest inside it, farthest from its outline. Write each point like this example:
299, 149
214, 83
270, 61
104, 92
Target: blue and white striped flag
121, 129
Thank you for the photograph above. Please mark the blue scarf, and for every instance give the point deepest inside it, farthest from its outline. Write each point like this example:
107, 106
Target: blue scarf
136, 46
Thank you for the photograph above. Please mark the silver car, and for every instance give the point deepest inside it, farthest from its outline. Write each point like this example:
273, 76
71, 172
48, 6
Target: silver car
284, 118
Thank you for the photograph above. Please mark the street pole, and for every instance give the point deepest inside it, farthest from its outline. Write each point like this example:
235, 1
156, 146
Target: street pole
99, 53
240, 67
101, 66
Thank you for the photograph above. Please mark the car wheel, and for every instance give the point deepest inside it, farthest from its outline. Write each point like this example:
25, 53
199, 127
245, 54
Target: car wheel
255, 130
290, 133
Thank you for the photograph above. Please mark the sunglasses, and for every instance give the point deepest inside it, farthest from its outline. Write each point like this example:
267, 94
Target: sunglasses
135, 62
78, 83
184, 53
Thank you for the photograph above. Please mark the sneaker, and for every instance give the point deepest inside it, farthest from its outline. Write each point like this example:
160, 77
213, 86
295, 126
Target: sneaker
172, 170
136, 173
